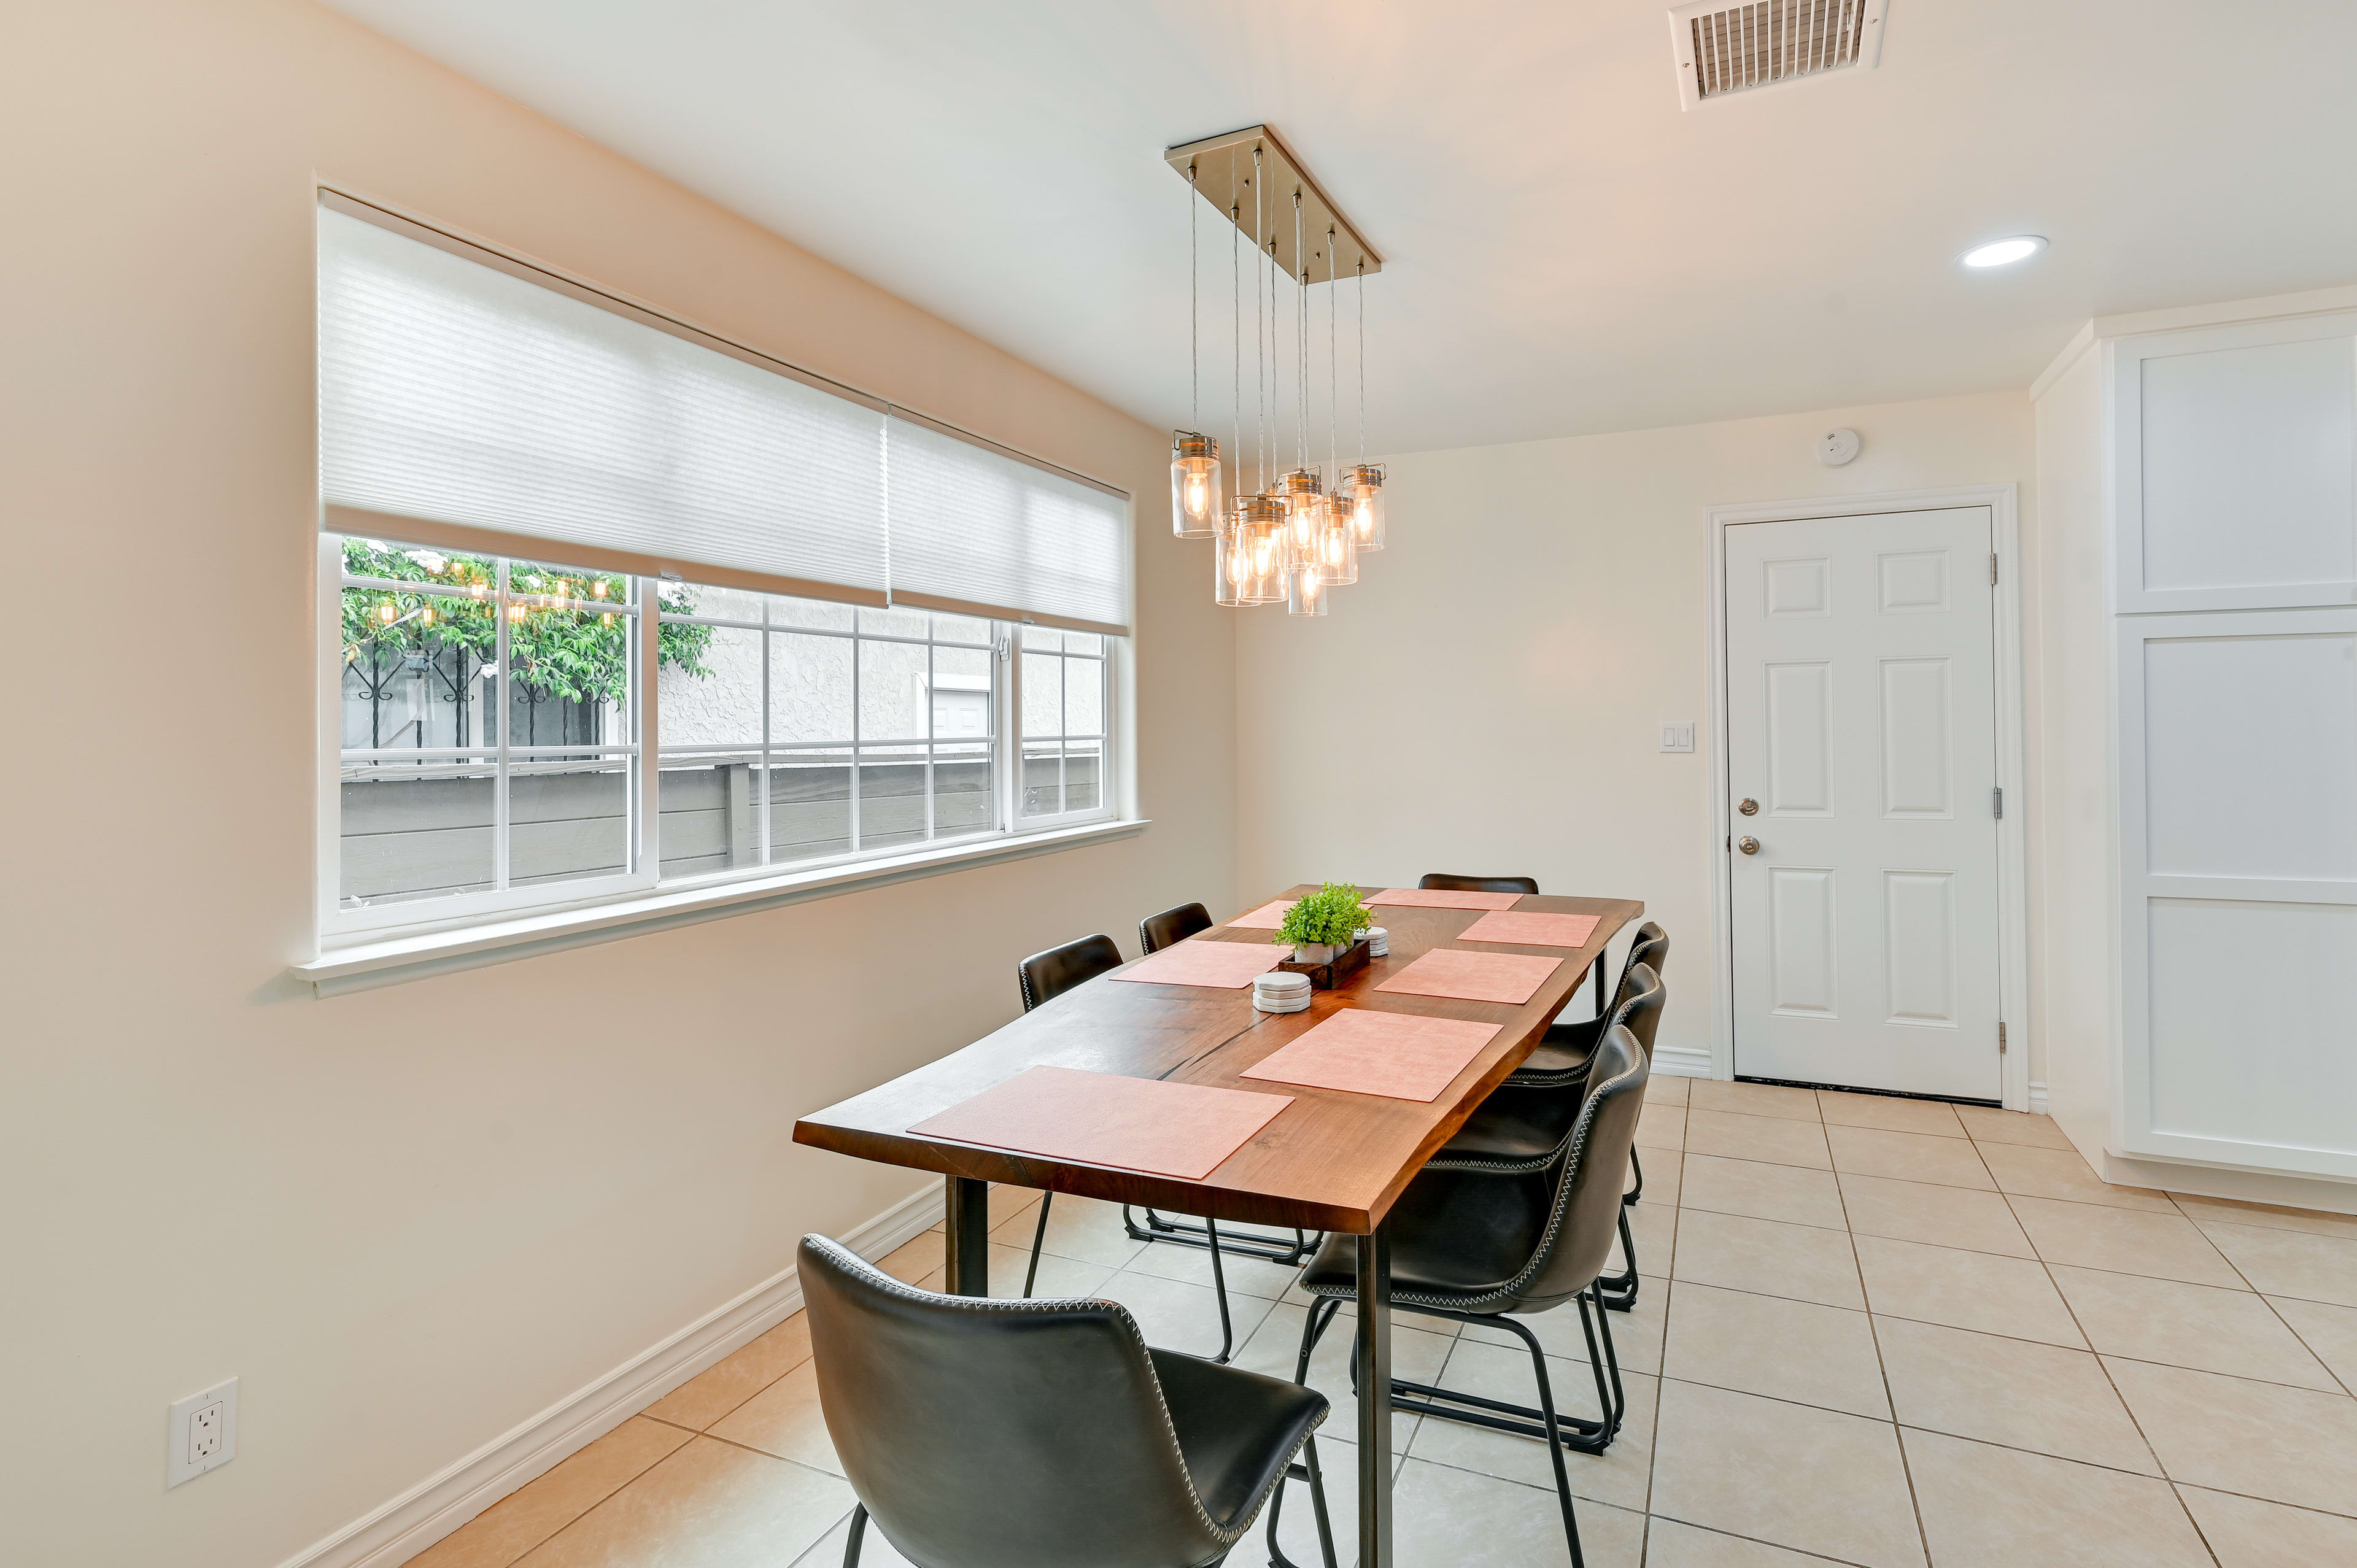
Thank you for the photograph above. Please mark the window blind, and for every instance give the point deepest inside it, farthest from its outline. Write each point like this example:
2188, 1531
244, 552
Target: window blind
453, 391
981, 532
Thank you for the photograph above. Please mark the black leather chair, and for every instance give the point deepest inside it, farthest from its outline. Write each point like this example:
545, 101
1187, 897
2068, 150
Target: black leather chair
1158, 931
1478, 884
1492, 1248
983, 1433
1044, 976
1154, 933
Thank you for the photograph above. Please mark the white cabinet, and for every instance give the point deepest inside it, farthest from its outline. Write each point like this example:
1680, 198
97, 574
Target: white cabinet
2234, 615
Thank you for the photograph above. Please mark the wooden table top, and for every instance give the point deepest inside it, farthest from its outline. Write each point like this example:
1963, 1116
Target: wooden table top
1330, 1161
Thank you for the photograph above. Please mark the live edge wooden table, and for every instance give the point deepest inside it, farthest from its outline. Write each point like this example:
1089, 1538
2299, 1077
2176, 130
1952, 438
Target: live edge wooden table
1330, 1161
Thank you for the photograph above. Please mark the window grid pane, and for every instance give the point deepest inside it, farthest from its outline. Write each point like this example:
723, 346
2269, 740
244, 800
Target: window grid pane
1063, 706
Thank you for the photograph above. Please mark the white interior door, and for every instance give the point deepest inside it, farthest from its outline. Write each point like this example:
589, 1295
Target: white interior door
1861, 781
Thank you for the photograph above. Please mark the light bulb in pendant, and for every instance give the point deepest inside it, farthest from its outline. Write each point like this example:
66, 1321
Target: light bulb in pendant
1195, 502
1363, 488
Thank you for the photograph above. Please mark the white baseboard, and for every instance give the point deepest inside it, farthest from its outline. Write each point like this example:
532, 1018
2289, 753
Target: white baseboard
1681, 1061
408, 1524
2037, 1098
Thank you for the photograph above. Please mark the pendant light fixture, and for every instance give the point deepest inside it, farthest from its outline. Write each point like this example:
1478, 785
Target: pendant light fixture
1299, 533
1195, 504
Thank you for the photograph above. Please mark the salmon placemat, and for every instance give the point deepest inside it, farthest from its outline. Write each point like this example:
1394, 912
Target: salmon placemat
1270, 915
1399, 1056
1103, 1119
1444, 898
1229, 965
1531, 930
1474, 976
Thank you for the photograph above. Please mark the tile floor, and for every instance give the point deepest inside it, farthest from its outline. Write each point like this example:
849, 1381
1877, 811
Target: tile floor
1873, 1332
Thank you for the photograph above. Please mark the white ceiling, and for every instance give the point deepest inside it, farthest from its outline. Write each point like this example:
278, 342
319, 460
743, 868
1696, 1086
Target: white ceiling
1567, 252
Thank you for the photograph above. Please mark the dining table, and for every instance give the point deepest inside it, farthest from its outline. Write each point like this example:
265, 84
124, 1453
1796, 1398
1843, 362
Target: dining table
1332, 1160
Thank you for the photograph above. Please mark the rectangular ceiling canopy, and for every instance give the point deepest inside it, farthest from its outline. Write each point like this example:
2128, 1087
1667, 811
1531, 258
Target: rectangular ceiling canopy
1223, 169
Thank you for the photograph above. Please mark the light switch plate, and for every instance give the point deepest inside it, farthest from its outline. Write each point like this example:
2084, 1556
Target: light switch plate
201, 1434
1678, 737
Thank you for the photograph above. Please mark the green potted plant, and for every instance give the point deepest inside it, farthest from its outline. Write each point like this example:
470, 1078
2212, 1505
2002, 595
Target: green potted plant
1325, 923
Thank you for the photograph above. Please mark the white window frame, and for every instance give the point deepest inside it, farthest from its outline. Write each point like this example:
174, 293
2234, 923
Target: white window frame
340, 928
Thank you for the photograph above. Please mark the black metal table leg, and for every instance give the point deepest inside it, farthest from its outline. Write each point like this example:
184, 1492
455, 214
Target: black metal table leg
965, 1236
1371, 1355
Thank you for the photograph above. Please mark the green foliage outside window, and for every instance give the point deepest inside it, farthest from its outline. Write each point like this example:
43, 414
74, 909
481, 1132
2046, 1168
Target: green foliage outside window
561, 640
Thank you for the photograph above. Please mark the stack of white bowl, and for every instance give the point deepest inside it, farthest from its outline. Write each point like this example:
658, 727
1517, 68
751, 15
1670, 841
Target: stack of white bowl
1281, 991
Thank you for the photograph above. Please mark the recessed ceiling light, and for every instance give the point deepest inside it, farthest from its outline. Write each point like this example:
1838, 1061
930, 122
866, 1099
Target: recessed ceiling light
2005, 252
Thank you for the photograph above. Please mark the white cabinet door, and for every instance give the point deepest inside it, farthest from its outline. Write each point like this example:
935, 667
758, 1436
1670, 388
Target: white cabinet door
1861, 724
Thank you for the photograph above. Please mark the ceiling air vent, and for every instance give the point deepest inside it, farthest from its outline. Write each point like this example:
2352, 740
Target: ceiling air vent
1722, 48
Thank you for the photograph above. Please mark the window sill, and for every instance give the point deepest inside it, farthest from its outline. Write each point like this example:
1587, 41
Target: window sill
389, 961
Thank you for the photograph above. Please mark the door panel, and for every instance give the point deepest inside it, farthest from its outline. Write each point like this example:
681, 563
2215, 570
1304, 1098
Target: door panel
1861, 717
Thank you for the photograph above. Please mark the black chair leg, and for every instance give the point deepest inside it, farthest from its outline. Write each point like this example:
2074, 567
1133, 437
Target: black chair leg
1039, 1240
858, 1534
1637, 1166
1306, 1471
1555, 1451
1575, 1432
1619, 1292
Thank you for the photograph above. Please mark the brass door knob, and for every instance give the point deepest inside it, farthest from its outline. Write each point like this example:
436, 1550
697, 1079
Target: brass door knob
1749, 808
1748, 844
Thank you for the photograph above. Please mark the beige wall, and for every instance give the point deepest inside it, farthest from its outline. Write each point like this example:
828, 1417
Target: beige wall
1487, 697
408, 1218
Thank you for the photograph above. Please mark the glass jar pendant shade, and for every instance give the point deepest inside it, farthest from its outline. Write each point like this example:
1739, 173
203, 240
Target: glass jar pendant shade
1260, 543
1338, 545
1306, 593
1360, 494
1300, 493
1197, 506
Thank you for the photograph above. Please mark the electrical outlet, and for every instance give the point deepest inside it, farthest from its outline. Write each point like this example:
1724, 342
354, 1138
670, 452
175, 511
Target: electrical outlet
201, 1434
1678, 737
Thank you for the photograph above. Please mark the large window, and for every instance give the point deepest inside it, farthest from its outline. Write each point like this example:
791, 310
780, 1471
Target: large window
609, 605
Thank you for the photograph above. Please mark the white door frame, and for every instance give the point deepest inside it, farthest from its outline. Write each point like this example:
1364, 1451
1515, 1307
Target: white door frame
2012, 899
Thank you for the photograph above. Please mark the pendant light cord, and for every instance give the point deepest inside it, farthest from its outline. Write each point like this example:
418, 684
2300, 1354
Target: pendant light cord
1235, 331
1260, 356
1363, 361
1333, 380
1194, 313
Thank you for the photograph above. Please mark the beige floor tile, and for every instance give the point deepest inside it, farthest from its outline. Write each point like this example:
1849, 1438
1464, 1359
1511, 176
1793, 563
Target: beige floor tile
2290, 1263
2247, 1533
2266, 1216
2212, 1330
1174, 1316
1789, 1193
1006, 1202
1655, 1228
1441, 1515
1941, 1216
912, 1261
1667, 1089
2289, 1446
1888, 1112
875, 1552
1993, 1508
2060, 1173
1775, 1140
2090, 1236
2329, 1331
1246, 1276
1908, 1156
1636, 1334
784, 1419
710, 1505
2038, 1397
1083, 1229
1989, 1126
1670, 1544
1765, 1345
728, 1383
1661, 1126
1805, 1263
1752, 1099
539, 1509
1662, 1177
1617, 1476
1980, 1290
1274, 1350
1789, 1474
1059, 1277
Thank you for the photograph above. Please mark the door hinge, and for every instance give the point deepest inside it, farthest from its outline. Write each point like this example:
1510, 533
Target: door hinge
2000, 1038
1997, 801
1992, 568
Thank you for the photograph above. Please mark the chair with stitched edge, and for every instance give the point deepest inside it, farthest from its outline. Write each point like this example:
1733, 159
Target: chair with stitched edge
1154, 933
1483, 1247
1454, 883
1520, 1127
1043, 977
988, 1433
